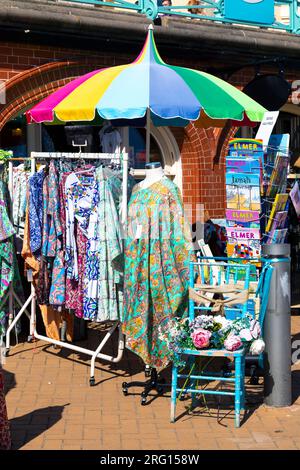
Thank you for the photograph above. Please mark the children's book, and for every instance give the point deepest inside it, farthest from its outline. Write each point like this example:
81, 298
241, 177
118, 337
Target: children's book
246, 219
295, 197
278, 178
276, 236
243, 165
245, 250
245, 148
279, 205
236, 233
276, 165
279, 220
243, 191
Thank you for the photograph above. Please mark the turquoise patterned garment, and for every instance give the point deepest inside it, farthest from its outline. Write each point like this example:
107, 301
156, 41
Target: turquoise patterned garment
109, 248
157, 254
6, 255
9, 271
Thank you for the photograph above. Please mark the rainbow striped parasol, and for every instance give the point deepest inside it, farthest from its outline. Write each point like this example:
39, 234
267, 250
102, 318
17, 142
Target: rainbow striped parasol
149, 88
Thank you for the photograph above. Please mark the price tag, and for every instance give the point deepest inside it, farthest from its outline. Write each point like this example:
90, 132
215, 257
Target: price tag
138, 232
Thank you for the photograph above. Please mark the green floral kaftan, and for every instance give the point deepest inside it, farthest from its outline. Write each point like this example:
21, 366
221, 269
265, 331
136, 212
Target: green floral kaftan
157, 254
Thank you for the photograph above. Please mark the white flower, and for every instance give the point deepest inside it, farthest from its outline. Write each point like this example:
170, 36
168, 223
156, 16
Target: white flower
222, 320
257, 347
245, 334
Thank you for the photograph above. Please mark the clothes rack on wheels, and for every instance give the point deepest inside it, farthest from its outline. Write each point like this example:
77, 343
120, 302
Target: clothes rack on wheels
116, 158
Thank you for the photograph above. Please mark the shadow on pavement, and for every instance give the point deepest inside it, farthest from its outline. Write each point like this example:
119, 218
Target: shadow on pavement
31, 425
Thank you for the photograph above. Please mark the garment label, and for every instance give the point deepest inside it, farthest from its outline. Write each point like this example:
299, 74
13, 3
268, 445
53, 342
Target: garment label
29, 275
138, 232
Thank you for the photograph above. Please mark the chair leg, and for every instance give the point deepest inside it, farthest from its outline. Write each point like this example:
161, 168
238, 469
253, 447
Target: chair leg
243, 383
237, 391
173, 393
193, 383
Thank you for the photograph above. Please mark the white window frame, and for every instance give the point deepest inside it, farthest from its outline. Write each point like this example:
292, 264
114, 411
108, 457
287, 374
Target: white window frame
169, 149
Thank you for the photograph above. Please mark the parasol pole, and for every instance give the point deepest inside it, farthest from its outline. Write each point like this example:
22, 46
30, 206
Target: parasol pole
148, 119
148, 135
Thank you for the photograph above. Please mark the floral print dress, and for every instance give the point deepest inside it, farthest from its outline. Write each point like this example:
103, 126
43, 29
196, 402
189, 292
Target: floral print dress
9, 271
36, 211
81, 215
6, 255
74, 288
157, 255
5, 438
20, 180
91, 208
108, 245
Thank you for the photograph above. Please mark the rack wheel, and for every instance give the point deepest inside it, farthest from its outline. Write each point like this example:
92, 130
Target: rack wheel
5, 352
143, 401
29, 339
125, 389
147, 371
92, 381
254, 380
160, 390
182, 397
253, 375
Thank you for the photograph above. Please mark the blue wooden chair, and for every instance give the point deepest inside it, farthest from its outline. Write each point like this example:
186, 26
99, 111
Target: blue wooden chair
215, 272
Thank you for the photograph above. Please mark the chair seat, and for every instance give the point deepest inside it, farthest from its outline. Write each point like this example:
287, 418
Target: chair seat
214, 352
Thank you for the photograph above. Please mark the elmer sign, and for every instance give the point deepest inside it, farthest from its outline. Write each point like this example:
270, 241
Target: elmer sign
243, 234
251, 11
240, 147
242, 216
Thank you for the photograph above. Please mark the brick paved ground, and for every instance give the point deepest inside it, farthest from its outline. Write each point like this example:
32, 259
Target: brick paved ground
51, 406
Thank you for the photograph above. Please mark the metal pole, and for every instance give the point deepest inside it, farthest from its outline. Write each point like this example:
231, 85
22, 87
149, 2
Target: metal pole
11, 195
148, 121
124, 189
277, 328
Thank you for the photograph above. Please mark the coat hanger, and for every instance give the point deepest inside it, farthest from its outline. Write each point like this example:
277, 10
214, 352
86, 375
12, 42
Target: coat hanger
107, 128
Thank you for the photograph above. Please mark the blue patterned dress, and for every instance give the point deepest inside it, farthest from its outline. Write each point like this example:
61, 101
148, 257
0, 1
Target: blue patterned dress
36, 211
91, 205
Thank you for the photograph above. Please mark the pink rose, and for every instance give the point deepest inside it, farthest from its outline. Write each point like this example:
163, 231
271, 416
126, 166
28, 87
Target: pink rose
245, 334
201, 338
232, 343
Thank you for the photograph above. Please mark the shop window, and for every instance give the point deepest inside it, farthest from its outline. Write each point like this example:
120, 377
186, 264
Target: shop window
137, 148
14, 136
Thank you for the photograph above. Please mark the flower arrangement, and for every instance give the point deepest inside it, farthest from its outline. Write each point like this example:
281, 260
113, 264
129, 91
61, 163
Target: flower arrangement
4, 154
215, 332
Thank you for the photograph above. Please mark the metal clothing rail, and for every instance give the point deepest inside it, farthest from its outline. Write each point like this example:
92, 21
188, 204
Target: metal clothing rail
123, 157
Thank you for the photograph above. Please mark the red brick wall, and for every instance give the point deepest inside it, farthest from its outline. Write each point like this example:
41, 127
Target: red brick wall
32, 72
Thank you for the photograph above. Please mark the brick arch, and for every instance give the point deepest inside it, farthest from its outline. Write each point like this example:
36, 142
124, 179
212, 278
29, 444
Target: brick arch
203, 173
31, 86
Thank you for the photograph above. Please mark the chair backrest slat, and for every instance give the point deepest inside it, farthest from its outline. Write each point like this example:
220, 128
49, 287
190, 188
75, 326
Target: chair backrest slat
219, 272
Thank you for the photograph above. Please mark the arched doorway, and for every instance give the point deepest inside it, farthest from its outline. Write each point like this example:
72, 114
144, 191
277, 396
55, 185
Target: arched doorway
163, 148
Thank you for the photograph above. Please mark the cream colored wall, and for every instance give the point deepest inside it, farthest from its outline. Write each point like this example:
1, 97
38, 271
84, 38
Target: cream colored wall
281, 12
